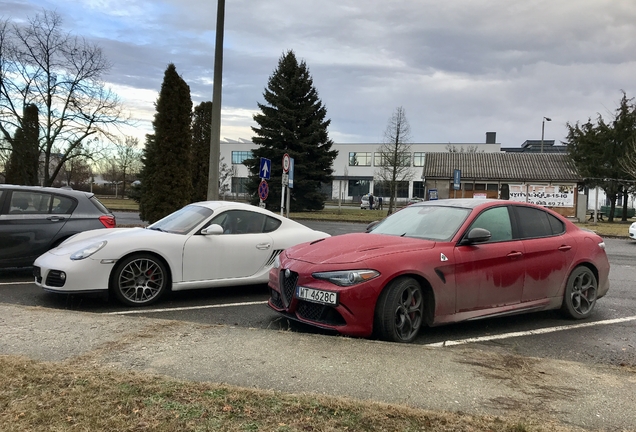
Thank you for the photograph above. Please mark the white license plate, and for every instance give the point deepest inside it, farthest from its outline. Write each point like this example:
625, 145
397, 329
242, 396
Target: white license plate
317, 296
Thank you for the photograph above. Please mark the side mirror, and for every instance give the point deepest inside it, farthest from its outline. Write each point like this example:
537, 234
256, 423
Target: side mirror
476, 235
214, 229
371, 226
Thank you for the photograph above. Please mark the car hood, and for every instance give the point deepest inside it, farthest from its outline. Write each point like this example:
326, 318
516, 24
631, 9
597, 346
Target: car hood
86, 238
352, 248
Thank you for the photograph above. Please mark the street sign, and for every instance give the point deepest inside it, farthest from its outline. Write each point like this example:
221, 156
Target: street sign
286, 163
263, 190
265, 169
291, 173
285, 179
457, 175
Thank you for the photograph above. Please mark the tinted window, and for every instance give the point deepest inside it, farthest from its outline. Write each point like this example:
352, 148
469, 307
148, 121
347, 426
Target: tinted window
271, 224
62, 205
537, 223
97, 203
30, 202
497, 221
241, 222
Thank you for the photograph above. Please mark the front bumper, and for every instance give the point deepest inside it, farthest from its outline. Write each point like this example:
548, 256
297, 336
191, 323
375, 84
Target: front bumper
353, 315
60, 274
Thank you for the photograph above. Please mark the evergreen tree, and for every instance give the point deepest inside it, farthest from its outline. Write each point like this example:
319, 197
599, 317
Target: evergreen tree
22, 168
597, 150
292, 121
201, 131
166, 176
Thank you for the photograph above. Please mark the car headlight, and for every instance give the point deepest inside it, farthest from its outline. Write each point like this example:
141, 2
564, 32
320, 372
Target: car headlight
88, 251
277, 261
347, 277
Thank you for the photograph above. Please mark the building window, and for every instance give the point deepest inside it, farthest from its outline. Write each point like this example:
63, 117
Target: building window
239, 156
380, 159
418, 189
418, 159
239, 185
359, 159
357, 188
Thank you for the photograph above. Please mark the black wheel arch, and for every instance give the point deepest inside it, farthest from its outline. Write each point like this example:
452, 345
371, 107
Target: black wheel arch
427, 290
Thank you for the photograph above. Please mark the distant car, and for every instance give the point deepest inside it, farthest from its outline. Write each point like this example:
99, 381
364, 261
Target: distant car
35, 219
414, 200
632, 231
439, 262
202, 245
364, 202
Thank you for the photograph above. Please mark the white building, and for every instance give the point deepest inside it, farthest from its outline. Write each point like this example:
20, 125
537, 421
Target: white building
355, 167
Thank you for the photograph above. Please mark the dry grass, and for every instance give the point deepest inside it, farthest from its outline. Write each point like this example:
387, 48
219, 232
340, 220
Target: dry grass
57, 397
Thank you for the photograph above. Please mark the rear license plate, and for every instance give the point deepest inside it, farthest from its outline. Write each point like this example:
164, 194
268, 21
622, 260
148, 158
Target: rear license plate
317, 296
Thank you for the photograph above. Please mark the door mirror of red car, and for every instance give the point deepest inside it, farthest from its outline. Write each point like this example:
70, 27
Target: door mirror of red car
476, 235
371, 226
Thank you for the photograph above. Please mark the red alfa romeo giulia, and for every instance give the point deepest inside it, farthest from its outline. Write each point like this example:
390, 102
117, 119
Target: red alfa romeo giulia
439, 262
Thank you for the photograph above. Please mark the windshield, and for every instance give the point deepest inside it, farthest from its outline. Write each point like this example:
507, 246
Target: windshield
183, 221
426, 222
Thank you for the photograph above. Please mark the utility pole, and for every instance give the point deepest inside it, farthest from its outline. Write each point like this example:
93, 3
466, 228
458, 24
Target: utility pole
215, 136
545, 119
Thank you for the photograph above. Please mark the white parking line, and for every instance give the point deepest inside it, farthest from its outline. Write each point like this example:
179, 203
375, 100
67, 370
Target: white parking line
16, 283
529, 332
144, 311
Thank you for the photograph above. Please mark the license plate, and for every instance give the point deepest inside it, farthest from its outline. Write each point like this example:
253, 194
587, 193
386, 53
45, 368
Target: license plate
317, 296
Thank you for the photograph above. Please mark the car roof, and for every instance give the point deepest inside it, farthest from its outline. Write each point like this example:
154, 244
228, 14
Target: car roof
465, 202
59, 191
215, 205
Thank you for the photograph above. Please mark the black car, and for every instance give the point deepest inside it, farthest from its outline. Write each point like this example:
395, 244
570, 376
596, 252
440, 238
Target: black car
35, 219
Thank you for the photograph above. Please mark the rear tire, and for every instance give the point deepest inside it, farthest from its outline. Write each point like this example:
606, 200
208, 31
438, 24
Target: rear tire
139, 280
580, 293
399, 313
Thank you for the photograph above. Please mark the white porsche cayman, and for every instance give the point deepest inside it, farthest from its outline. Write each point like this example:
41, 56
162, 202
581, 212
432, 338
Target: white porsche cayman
202, 245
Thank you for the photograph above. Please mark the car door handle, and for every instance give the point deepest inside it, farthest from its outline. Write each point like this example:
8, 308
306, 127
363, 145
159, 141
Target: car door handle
514, 254
55, 218
565, 248
263, 246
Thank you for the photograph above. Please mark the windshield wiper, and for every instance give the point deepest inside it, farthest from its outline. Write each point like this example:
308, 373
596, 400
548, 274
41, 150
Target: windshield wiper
157, 229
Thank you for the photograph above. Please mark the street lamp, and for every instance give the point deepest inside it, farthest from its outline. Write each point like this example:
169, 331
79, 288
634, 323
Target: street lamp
545, 119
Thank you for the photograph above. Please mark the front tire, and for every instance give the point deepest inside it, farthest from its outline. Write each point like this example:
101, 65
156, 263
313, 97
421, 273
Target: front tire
139, 280
580, 293
399, 313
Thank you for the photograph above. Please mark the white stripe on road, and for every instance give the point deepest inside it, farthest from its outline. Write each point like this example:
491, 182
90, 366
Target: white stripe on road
17, 283
143, 311
530, 332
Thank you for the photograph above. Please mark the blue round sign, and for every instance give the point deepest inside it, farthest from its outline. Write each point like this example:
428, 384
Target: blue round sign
263, 190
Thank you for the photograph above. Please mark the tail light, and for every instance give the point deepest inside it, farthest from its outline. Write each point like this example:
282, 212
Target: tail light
108, 221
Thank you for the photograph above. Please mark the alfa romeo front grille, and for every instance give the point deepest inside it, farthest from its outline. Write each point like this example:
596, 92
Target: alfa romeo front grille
288, 286
319, 313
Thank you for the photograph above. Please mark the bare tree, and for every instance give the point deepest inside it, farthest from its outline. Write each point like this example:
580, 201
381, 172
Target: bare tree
452, 148
628, 160
395, 155
128, 160
61, 74
76, 171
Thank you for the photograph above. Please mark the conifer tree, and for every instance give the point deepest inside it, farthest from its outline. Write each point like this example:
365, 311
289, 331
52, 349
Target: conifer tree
22, 168
293, 121
166, 180
201, 131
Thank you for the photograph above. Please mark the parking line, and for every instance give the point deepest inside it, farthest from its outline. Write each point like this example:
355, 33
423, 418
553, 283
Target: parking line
16, 283
144, 311
529, 332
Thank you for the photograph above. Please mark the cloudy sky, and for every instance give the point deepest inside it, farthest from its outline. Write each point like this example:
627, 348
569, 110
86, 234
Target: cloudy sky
460, 68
